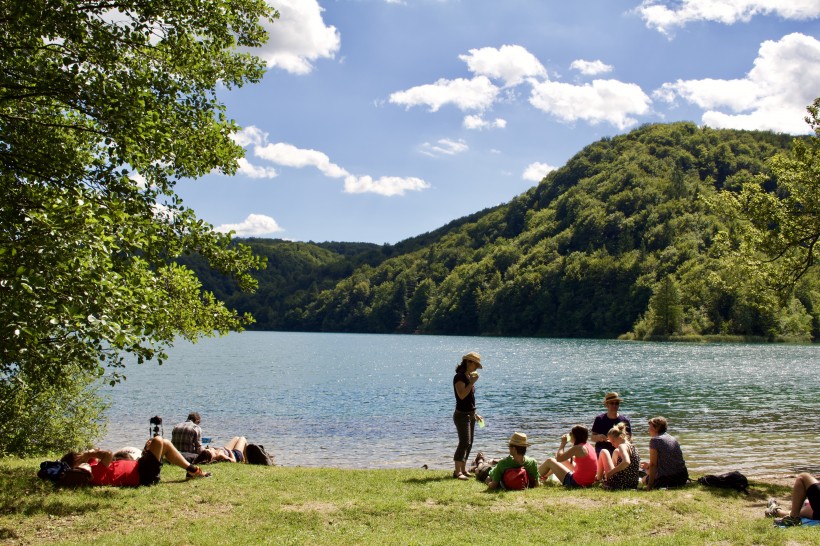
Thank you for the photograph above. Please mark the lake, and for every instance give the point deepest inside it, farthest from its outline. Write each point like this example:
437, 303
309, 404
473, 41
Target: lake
386, 401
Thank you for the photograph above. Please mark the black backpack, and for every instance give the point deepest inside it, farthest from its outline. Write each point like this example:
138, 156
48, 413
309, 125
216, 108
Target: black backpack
257, 455
730, 480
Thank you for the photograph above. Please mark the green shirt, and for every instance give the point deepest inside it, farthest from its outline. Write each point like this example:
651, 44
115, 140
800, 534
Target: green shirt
530, 464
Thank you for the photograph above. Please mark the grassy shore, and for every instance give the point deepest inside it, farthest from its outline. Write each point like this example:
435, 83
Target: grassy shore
278, 505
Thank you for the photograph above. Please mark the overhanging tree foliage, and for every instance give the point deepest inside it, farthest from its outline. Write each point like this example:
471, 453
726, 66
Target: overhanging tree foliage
104, 106
779, 231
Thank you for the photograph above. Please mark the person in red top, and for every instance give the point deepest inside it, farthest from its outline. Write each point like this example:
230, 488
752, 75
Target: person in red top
576, 466
105, 470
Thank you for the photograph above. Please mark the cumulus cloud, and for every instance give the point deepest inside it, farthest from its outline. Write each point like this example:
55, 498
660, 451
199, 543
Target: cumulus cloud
537, 171
386, 185
590, 68
254, 171
510, 63
474, 94
479, 123
444, 146
659, 15
288, 155
773, 95
253, 225
299, 37
611, 101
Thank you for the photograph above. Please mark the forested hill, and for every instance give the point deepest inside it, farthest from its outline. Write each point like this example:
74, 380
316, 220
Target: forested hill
618, 240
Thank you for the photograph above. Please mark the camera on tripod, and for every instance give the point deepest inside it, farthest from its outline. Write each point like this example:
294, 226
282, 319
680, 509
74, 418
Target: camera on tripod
155, 426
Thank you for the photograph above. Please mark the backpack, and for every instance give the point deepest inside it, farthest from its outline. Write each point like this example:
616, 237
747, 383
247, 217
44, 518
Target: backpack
730, 480
52, 470
256, 454
516, 479
62, 474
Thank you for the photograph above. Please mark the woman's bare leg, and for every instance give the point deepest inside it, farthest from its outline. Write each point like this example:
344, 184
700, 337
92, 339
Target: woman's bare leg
801, 485
551, 465
605, 464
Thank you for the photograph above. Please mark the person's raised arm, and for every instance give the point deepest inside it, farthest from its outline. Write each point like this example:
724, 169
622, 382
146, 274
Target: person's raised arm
463, 389
105, 457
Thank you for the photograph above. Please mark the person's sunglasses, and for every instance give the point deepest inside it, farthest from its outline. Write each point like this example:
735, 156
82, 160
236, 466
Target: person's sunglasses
615, 403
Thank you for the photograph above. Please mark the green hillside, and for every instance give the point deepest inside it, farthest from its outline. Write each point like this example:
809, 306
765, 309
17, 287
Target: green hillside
620, 239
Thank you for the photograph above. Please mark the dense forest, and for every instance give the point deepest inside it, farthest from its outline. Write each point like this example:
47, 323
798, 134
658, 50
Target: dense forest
622, 240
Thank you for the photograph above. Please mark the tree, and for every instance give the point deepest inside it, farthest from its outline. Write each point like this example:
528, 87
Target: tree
779, 231
104, 106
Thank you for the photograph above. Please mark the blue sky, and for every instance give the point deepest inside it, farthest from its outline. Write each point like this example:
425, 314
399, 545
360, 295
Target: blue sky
379, 120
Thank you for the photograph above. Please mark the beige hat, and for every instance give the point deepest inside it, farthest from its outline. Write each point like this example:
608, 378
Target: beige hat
519, 439
473, 357
612, 397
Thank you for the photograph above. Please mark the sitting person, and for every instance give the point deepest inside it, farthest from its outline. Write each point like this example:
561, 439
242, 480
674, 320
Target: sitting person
105, 470
805, 502
187, 436
621, 469
497, 473
666, 467
232, 452
576, 466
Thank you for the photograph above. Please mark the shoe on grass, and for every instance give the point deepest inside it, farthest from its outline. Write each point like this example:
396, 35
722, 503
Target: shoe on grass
772, 509
789, 521
199, 473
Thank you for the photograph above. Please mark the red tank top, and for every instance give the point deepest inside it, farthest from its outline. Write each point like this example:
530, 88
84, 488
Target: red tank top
586, 467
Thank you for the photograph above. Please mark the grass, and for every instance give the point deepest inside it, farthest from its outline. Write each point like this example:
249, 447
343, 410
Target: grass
278, 505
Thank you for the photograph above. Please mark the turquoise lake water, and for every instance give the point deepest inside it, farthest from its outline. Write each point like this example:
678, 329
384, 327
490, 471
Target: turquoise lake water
386, 401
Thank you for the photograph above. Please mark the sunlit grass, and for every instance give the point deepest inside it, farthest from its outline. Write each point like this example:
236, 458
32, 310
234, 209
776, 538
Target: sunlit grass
251, 504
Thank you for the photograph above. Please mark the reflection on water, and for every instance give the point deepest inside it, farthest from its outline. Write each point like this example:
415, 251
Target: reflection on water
379, 401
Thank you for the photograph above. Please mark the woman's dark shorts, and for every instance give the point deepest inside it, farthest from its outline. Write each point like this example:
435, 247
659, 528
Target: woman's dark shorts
148, 467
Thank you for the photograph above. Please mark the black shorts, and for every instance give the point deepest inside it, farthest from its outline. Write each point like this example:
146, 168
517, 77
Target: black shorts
813, 494
148, 467
675, 480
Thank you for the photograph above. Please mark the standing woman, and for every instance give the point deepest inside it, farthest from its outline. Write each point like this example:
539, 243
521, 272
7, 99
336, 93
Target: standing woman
465, 416
666, 466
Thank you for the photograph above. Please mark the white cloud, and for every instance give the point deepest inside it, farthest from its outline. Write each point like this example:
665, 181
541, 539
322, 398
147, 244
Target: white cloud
475, 94
611, 101
386, 185
253, 225
658, 15
536, 171
773, 95
511, 63
590, 68
478, 122
250, 135
444, 146
289, 155
299, 37
253, 171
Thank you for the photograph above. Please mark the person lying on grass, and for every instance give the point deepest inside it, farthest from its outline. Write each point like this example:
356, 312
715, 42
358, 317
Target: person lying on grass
105, 470
517, 460
805, 502
232, 452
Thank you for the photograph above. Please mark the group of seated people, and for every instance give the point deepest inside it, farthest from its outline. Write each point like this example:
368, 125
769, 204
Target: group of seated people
613, 461
132, 467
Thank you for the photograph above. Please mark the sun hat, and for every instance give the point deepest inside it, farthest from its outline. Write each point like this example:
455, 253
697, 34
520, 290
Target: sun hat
612, 397
519, 439
472, 356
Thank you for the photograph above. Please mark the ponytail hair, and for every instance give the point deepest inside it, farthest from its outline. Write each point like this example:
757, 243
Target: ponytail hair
620, 431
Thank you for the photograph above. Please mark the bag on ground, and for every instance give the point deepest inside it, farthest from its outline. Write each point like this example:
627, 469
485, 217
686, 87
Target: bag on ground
256, 454
730, 480
516, 478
